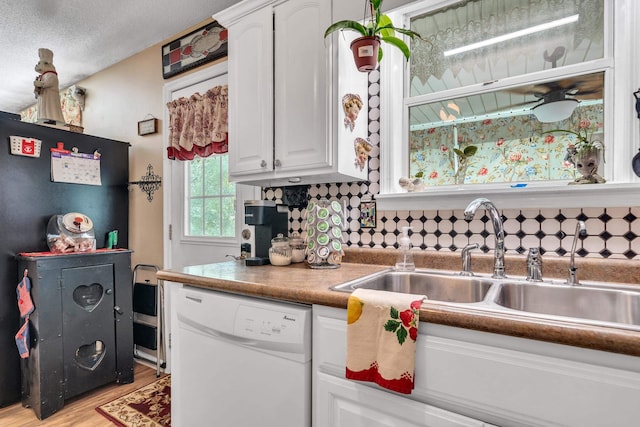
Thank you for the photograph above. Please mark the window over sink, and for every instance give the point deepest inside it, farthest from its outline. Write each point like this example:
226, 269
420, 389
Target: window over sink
468, 117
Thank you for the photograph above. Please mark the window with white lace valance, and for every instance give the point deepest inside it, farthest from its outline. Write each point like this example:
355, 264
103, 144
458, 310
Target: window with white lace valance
198, 125
491, 63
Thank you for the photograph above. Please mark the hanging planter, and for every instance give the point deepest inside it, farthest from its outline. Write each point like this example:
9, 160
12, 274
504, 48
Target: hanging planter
365, 53
379, 28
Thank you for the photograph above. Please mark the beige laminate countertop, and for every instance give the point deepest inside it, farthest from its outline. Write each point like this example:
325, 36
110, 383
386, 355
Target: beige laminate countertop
299, 283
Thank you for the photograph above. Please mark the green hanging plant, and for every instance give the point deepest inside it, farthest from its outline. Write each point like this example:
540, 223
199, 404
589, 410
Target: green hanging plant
378, 26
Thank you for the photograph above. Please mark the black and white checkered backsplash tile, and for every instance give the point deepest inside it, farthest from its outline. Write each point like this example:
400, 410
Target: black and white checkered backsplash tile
611, 232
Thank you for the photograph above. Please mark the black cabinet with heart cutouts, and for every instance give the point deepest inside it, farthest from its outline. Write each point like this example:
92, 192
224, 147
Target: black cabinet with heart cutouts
81, 329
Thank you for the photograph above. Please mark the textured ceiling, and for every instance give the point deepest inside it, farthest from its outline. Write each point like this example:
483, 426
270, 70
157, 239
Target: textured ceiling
86, 36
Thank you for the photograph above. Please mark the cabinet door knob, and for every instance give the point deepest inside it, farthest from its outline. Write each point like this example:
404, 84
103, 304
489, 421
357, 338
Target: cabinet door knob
263, 164
277, 163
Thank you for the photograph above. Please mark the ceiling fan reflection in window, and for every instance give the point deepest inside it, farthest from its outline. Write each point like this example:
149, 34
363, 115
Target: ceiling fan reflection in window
556, 100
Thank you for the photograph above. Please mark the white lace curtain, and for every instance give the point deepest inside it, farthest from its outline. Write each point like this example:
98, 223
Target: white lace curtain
198, 125
474, 20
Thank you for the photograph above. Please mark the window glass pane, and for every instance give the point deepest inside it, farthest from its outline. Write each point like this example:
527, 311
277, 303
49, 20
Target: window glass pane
228, 188
196, 174
497, 137
196, 213
211, 203
228, 216
480, 41
503, 135
212, 220
212, 176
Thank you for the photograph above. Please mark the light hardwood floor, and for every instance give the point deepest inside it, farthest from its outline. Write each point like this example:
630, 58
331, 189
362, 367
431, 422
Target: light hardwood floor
79, 411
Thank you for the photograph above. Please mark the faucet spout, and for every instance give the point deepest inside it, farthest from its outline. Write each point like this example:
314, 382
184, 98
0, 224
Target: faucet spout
498, 231
581, 230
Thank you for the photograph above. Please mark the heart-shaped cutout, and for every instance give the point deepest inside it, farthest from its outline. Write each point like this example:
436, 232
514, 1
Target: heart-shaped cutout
89, 356
88, 297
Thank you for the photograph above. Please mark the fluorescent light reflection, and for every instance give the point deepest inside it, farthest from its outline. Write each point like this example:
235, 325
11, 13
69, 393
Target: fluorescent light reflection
515, 34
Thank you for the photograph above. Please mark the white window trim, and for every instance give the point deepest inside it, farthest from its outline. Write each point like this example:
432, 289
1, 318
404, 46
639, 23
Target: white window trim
623, 187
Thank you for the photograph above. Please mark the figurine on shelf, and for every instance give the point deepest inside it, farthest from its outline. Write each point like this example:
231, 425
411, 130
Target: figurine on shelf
412, 184
586, 161
46, 88
586, 152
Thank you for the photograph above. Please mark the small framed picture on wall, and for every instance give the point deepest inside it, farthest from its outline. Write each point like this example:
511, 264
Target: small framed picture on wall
368, 214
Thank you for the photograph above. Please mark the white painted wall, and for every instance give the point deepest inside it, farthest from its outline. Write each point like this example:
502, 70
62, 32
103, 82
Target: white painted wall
117, 98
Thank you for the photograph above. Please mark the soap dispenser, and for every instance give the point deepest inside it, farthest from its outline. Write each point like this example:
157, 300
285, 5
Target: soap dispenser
405, 257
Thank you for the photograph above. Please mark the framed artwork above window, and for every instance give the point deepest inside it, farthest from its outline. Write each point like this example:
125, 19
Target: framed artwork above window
204, 45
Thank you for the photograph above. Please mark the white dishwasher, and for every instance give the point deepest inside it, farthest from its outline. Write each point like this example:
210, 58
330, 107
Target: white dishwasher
239, 361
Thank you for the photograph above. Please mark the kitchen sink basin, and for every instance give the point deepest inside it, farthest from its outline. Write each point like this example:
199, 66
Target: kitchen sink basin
612, 305
595, 304
436, 286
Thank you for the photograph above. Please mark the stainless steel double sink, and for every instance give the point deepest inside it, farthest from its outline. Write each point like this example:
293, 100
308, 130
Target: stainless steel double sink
612, 305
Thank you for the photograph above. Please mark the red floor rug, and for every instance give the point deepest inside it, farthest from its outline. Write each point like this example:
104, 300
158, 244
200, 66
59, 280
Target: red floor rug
149, 406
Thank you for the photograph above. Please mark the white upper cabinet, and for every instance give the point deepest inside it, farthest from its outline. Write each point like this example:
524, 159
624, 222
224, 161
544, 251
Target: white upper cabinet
301, 86
251, 93
284, 106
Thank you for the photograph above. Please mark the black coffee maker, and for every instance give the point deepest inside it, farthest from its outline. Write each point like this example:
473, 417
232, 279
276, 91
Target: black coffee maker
264, 219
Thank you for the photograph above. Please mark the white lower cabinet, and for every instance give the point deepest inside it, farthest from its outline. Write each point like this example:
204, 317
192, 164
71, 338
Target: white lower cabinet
466, 377
344, 403
338, 402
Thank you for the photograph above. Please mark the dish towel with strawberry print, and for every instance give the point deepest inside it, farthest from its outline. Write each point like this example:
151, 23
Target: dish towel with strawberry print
382, 328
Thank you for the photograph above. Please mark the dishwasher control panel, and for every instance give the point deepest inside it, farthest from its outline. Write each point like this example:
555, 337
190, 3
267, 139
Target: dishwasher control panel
270, 325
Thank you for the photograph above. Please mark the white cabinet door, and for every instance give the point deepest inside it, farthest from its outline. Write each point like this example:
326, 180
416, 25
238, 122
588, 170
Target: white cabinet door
302, 139
283, 97
344, 403
251, 93
338, 402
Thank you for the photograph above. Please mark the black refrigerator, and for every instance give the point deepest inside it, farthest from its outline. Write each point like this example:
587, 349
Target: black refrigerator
29, 198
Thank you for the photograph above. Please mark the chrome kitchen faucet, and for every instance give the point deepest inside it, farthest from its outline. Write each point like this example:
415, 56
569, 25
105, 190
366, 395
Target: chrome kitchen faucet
498, 230
581, 230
